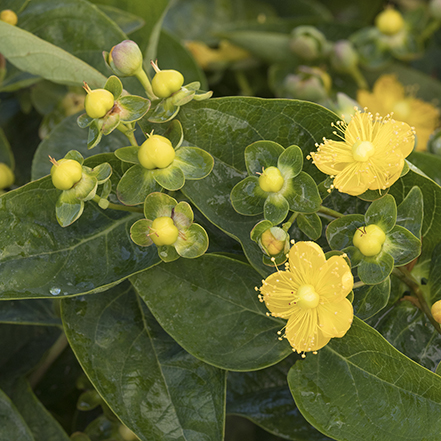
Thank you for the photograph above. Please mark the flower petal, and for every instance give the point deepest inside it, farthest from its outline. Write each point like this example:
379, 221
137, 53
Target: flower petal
305, 260
335, 318
334, 280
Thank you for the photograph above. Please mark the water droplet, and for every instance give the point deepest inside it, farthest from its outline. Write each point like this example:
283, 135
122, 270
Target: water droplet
55, 291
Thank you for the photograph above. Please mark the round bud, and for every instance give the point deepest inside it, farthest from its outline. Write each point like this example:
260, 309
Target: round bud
369, 240
271, 180
164, 231
307, 42
389, 22
66, 173
156, 152
98, 102
436, 311
6, 176
9, 16
167, 82
273, 241
125, 58
344, 57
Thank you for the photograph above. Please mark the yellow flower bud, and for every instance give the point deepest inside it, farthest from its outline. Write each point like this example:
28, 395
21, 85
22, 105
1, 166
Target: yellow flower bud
164, 231
369, 240
389, 22
156, 152
9, 16
6, 176
436, 311
271, 180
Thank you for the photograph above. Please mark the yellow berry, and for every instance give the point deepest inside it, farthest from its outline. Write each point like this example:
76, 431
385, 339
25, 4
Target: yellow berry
9, 16
164, 231
271, 180
389, 22
6, 176
369, 240
436, 311
98, 102
167, 82
66, 173
156, 152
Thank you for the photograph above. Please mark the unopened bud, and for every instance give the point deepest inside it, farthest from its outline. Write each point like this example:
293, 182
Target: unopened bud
436, 311
389, 22
344, 58
125, 59
9, 16
274, 241
307, 42
310, 83
6, 176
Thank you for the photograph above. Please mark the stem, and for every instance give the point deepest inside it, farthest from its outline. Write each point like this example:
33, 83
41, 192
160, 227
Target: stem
359, 78
358, 284
404, 275
330, 212
430, 29
287, 225
244, 85
97, 199
145, 82
54, 352
129, 132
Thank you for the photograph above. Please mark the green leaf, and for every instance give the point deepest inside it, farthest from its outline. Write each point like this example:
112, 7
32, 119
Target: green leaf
68, 208
383, 213
133, 108
48, 260
171, 178
68, 136
310, 224
21, 312
194, 244
108, 124
209, 306
369, 299
276, 208
264, 397
34, 55
247, 197
261, 155
302, 194
172, 387
162, 111
168, 253
6, 155
127, 22
373, 270
402, 245
75, 26
13, 425
95, 133
136, 183
410, 212
340, 232
41, 423
427, 163
259, 229
290, 162
434, 281
114, 86
194, 162
369, 391
128, 154
139, 232
373, 195
159, 205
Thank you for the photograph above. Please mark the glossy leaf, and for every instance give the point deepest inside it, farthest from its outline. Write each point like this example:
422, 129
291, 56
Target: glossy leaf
310, 224
194, 244
276, 208
402, 245
434, 281
194, 162
231, 330
381, 400
119, 345
247, 197
410, 212
114, 86
340, 232
302, 194
128, 154
373, 270
261, 155
21, 312
383, 213
133, 108
127, 22
171, 178
369, 299
36, 249
34, 55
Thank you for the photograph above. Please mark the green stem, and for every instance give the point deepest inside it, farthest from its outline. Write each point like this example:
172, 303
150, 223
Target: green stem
287, 225
358, 284
97, 199
359, 78
429, 30
54, 352
406, 277
330, 212
129, 132
145, 82
244, 85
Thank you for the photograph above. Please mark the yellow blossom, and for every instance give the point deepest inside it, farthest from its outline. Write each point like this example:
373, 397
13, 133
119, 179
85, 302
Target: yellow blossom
389, 96
311, 295
209, 58
370, 155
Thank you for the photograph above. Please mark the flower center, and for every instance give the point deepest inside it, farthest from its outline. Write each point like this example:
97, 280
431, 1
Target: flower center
401, 109
307, 298
362, 150
369, 240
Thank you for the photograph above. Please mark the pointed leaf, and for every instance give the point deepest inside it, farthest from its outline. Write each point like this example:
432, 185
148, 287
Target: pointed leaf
410, 212
237, 334
381, 399
145, 356
369, 299
310, 224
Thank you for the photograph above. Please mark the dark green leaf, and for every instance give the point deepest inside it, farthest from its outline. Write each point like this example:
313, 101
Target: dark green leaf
369, 391
302, 194
373, 270
141, 373
369, 299
126, 21
194, 162
210, 307
402, 245
410, 212
434, 281
6, 155
276, 208
247, 197
310, 224
340, 232
290, 162
261, 155
23, 312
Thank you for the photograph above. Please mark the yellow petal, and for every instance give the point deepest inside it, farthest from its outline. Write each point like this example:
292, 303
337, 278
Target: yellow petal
335, 280
335, 318
305, 261
354, 179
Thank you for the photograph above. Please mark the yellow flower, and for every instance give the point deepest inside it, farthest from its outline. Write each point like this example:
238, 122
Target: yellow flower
311, 295
389, 96
370, 155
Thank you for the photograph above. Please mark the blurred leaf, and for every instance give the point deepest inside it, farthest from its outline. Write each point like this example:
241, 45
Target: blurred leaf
264, 397
209, 306
370, 391
125, 20
428, 163
34, 55
153, 386
25, 312
6, 155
